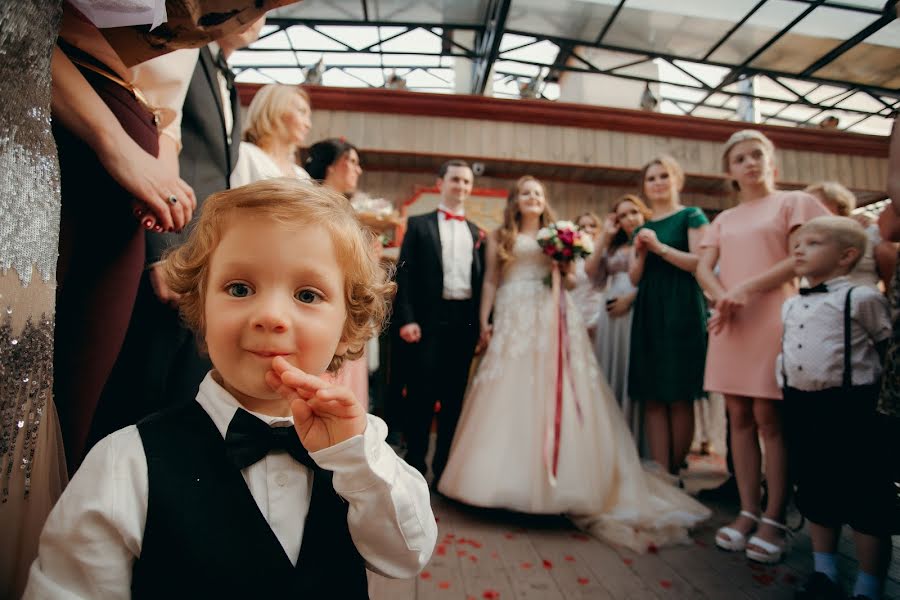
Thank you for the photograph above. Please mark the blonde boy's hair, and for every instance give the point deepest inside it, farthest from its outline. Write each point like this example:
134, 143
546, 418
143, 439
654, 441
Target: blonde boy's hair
367, 286
832, 192
263, 118
843, 231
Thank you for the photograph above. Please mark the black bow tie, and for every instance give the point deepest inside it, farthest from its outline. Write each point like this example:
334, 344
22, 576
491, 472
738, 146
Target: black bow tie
818, 289
249, 439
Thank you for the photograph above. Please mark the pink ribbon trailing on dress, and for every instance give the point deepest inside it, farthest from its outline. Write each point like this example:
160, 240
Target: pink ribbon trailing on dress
563, 371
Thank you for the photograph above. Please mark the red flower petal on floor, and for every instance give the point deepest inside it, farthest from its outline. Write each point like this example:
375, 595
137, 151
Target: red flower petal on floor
495, 555
444, 585
509, 536
461, 541
547, 564
569, 558
474, 544
490, 594
473, 558
764, 578
461, 552
583, 580
525, 565
425, 575
701, 543
580, 537
441, 550
665, 583
652, 549
450, 535
627, 561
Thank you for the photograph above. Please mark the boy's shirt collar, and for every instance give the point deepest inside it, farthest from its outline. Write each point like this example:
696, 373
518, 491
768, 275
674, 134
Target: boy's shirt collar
221, 406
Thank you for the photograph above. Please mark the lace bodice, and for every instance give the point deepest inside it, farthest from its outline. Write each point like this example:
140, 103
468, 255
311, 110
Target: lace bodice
530, 263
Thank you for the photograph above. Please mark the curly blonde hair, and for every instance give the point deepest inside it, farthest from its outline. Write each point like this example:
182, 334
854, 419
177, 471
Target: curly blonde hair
368, 289
512, 220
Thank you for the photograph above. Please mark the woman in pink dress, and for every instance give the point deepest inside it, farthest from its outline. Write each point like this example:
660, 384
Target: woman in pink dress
751, 244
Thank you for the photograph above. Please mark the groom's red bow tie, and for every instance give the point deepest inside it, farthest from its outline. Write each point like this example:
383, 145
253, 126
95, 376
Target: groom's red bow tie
449, 215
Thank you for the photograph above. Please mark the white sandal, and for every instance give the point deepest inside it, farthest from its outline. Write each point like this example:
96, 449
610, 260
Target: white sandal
771, 553
736, 541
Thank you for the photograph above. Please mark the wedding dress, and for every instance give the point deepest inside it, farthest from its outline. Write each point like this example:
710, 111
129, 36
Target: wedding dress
499, 457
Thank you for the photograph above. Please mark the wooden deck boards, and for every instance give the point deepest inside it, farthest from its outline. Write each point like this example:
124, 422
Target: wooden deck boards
486, 554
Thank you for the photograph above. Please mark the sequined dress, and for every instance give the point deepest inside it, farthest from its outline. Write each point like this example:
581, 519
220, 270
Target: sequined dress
496, 458
32, 468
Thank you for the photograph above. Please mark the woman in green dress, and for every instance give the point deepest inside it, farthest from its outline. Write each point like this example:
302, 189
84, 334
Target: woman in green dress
668, 333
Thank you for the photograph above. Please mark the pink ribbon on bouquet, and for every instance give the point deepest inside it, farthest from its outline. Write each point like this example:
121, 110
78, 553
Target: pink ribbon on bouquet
553, 428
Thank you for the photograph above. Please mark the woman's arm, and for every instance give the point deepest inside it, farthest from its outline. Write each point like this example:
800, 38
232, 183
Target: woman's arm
705, 275
489, 286
636, 271
78, 107
885, 262
686, 261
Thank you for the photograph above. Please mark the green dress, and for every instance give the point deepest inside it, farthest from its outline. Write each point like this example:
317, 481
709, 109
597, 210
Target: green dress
668, 330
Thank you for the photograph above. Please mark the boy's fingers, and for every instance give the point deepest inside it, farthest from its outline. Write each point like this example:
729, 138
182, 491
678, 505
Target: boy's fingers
338, 393
301, 410
303, 380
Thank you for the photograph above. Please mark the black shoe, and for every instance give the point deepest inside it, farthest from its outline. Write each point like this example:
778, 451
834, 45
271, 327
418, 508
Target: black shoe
819, 586
725, 493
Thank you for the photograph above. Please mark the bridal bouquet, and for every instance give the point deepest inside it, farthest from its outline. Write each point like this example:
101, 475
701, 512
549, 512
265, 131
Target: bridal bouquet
563, 241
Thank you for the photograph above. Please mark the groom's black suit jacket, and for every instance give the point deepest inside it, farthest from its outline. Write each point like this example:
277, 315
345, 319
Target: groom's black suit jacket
420, 272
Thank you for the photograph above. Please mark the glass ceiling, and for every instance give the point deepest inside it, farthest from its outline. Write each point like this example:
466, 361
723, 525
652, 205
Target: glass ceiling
800, 60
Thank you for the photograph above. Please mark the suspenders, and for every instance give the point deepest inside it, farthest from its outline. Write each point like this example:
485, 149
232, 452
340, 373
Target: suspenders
848, 369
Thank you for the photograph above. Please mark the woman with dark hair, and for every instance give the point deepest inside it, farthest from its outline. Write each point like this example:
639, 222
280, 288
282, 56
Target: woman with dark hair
608, 268
334, 162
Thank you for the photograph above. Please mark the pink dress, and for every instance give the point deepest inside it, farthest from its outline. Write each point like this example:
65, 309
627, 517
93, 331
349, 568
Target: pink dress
752, 237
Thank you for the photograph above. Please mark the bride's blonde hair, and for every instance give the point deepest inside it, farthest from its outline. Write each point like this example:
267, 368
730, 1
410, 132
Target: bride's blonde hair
512, 220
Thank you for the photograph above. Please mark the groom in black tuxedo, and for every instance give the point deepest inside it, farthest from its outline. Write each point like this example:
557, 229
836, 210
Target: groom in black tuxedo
439, 276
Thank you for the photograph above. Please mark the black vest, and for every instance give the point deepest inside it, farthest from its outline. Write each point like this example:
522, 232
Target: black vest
205, 536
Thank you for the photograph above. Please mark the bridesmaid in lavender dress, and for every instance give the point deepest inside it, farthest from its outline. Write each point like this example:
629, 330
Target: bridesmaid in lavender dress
608, 268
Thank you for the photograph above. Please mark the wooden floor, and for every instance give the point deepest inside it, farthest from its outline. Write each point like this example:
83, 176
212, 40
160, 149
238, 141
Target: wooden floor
484, 554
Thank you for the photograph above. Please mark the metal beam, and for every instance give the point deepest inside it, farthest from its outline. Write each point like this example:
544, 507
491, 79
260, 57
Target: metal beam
834, 53
734, 28
740, 69
609, 21
487, 44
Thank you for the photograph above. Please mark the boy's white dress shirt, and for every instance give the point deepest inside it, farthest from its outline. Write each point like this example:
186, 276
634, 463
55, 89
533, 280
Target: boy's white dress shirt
813, 344
94, 533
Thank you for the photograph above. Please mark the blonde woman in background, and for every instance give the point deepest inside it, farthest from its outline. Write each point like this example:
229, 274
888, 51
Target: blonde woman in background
880, 258
275, 128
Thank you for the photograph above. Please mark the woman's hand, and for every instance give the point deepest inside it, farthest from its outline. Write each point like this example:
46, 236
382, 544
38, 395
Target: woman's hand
716, 322
619, 306
152, 183
611, 226
733, 300
648, 239
325, 414
484, 338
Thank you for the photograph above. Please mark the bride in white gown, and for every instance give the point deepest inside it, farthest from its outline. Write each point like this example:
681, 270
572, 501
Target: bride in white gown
499, 454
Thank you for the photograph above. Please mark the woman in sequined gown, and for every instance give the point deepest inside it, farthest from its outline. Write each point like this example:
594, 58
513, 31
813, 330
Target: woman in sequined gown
32, 468
498, 457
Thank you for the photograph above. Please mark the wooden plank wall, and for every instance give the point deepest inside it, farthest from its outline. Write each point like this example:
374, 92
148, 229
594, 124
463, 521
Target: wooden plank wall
573, 146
